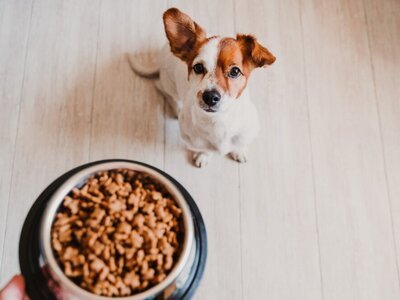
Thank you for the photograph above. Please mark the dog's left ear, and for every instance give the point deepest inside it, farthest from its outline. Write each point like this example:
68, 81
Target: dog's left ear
184, 35
257, 55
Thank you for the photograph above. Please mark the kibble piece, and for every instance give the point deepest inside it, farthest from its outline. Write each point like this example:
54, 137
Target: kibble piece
133, 199
92, 238
70, 253
65, 236
136, 239
124, 228
129, 253
97, 265
112, 188
112, 264
98, 248
128, 214
71, 204
148, 208
149, 274
111, 278
138, 221
116, 206
156, 195
56, 245
120, 249
140, 256
119, 178
132, 279
150, 221
160, 277
168, 262
104, 273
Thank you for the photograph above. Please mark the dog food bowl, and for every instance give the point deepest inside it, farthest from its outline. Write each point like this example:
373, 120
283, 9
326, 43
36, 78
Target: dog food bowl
46, 280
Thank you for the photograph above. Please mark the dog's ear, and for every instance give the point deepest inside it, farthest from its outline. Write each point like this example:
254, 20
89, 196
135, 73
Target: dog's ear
257, 55
184, 35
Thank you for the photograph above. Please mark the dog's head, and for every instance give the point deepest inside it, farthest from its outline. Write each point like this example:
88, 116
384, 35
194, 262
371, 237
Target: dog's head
218, 68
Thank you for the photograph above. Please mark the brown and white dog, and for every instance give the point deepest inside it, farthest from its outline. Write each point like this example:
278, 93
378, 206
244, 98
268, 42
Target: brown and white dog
204, 80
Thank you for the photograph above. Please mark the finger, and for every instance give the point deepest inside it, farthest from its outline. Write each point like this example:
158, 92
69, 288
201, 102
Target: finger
14, 290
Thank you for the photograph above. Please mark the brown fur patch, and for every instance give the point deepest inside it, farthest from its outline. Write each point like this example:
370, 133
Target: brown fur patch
254, 53
184, 35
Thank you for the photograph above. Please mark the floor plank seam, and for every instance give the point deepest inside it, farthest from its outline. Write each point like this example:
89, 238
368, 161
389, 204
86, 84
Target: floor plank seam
382, 143
165, 114
240, 232
165, 131
94, 82
239, 185
16, 138
311, 153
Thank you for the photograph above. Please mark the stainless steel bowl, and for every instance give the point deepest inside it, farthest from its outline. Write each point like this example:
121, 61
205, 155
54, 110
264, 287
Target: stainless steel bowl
66, 289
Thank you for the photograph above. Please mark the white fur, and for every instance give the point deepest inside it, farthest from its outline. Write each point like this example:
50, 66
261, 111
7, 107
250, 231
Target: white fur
227, 131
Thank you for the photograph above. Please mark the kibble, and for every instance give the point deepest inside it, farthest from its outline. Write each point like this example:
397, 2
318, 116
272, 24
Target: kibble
119, 234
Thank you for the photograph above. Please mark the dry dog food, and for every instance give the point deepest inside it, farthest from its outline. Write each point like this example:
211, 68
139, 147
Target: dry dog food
119, 234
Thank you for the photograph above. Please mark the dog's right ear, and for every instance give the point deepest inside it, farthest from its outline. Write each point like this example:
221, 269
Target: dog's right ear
257, 55
184, 35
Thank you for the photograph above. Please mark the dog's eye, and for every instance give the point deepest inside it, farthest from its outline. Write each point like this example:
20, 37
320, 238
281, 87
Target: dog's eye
198, 68
234, 72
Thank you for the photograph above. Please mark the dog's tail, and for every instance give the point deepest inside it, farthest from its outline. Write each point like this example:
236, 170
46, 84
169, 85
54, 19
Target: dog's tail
144, 71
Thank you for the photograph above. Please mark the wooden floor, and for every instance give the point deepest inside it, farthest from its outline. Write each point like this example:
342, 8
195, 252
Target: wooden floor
314, 214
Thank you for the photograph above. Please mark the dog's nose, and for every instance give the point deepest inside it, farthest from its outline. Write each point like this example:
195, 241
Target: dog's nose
211, 97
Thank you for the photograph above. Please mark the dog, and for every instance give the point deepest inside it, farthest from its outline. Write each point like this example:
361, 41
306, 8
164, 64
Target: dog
204, 80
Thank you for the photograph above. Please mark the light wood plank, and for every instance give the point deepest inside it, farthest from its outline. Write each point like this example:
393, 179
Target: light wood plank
55, 110
214, 188
279, 230
14, 31
383, 19
357, 249
128, 113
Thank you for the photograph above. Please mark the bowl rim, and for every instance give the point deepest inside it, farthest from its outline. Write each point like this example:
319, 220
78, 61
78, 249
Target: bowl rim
76, 180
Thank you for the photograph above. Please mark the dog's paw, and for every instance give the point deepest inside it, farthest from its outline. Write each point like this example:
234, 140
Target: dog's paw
240, 157
200, 159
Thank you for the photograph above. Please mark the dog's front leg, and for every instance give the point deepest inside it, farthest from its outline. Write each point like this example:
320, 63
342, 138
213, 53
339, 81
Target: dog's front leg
238, 151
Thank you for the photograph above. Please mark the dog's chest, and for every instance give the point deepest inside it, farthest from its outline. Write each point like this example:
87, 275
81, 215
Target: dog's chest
215, 135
